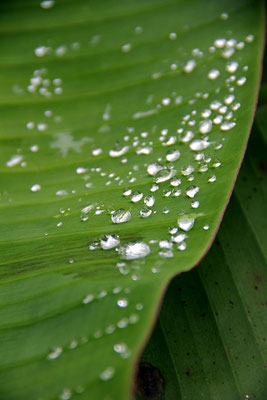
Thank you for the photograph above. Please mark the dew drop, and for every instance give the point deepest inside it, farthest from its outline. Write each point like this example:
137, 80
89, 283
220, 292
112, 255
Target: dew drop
189, 66
154, 168
134, 250
187, 170
122, 303
120, 216
47, 4
195, 204
109, 242
231, 67
149, 201
205, 126
107, 374
164, 175
185, 222
145, 212
55, 353
192, 191
172, 155
119, 153
226, 126
36, 188
136, 196
206, 227
199, 144
213, 74
182, 246
212, 179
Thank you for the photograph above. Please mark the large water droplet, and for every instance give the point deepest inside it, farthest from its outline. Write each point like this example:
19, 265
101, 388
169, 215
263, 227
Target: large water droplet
109, 242
192, 191
120, 216
164, 175
134, 250
154, 168
185, 222
205, 126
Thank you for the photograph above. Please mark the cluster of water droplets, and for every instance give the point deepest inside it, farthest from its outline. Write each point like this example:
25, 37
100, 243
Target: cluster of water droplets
158, 171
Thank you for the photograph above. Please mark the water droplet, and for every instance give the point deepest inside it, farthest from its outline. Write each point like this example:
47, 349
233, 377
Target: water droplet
134, 250
189, 66
206, 113
154, 168
231, 67
175, 182
229, 99
126, 48
65, 394
109, 242
88, 299
165, 253
206, 227
55, 353
249, 38
164, 175
36, 188
172, 155
107, 374
182, 246
119, 153
226, 126
224, 16
145, 212
179, 238
122, 303
136, 196
192, 191
195, 204
187, 170
120, 216
149, 201
241, 81
205, 126
220, 43
185, 222
47, 4
198, 144
15, 160
172, 35
212, 178
213, 74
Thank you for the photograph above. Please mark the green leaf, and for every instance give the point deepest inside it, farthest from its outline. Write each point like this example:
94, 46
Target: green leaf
81, 76
209, 341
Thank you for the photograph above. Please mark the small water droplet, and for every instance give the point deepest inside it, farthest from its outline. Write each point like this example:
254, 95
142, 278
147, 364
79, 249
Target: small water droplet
172, 155
136, 196
231, 67
192, 191
189, 66
36, 188
107, 374
122, 303
206, 227
226, 126
213, 74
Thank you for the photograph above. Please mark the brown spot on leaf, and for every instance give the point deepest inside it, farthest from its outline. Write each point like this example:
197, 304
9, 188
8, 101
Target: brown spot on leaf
149, 383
